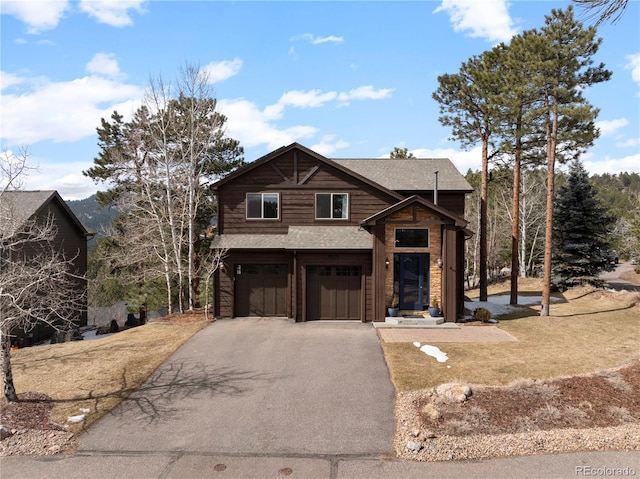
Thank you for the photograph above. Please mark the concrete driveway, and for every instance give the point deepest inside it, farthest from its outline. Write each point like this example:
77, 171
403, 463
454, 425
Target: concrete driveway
261, 386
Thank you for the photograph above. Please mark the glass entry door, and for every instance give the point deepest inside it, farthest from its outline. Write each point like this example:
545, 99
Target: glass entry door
412, 275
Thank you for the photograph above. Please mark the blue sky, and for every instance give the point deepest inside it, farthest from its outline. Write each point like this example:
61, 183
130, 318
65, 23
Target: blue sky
348, 79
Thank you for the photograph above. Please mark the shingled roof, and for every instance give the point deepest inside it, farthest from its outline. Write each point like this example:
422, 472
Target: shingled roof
390, 175
17, 207
300, 237
403, 174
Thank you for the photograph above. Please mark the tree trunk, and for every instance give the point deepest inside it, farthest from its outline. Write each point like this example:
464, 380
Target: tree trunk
484, 186
515, 222
7, 374
548, 234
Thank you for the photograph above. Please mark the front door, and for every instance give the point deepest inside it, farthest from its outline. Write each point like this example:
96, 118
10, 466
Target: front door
411, 272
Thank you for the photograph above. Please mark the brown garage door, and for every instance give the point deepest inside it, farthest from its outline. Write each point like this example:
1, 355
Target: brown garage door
333, 292
261, 290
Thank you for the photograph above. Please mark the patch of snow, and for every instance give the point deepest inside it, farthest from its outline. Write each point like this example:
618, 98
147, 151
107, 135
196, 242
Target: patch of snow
499, 304
432, 351
85, 409
92, 334
78, 418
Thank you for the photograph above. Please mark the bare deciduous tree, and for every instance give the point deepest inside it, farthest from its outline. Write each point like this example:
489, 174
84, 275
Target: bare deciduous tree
38, 284
160, 165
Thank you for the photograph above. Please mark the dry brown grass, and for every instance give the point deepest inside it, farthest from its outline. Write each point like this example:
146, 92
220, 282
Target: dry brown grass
97, 374
631, 276
588, 331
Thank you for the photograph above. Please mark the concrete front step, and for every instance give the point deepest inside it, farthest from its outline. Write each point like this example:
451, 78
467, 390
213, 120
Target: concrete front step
408, 321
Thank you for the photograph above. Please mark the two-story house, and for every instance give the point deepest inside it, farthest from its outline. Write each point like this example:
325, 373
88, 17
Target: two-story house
312, 238
17, 209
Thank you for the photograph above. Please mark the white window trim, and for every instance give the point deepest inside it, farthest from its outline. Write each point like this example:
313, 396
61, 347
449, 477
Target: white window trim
262, 218
315, 207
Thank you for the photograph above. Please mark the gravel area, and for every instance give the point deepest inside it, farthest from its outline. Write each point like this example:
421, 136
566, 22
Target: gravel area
38, 442
460, 422
476, 447
29, 429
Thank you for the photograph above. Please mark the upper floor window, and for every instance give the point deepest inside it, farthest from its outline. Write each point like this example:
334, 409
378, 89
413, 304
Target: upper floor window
332, 206
263, 205
412, 237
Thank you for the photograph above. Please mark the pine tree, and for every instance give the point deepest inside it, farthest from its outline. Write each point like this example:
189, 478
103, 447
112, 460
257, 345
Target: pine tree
469, 103
564, 51
581, 232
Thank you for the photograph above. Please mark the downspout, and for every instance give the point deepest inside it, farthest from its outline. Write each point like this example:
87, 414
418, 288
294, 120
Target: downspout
435, 190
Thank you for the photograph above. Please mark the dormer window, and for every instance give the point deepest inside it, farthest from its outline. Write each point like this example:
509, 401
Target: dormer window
263, 206
332, 206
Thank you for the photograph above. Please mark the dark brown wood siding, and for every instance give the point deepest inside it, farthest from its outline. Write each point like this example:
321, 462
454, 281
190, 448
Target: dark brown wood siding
452, 201
379, 271
72, 243
450, 274
296, 177
70, 240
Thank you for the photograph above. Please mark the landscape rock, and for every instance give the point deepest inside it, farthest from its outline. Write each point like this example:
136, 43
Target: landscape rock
414, 446
5, 432
453, 392
431, 411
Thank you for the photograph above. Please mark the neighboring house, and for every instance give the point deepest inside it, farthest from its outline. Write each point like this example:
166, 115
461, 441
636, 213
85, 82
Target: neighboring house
312, 238
71, 238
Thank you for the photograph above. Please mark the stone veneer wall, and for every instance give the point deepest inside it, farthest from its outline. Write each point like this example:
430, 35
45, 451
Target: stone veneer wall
424, 219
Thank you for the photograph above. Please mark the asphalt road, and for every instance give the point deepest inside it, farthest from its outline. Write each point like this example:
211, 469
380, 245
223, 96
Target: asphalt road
615, 282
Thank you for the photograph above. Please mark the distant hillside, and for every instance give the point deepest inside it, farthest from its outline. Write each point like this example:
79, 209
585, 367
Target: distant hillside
92, 215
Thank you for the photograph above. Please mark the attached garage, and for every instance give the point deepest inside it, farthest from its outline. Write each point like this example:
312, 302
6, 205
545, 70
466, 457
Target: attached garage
261, 290
333, 292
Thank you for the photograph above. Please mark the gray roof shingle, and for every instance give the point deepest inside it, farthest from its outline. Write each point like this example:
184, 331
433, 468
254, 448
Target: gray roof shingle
416, 174
16, 207
300, 237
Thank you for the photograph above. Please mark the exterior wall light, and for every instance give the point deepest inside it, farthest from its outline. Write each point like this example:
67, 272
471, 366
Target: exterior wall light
386, 263
439, 263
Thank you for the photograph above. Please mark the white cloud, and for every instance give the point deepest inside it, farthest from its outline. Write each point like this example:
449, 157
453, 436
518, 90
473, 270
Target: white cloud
253, 127
488, 19
104, 64
614, 165
9, 79
62, 111
220, 71
306, 99
329, 144
311, 38
631, 142
317, 98
329, 39
463, 160
38, 15
609, 127
115, 13
66, 178
365, 93
634, 66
